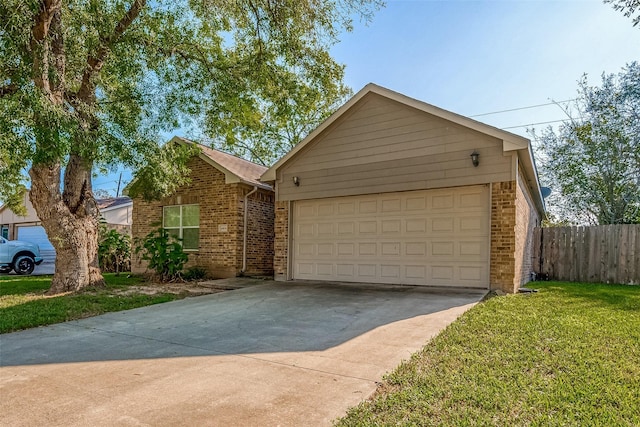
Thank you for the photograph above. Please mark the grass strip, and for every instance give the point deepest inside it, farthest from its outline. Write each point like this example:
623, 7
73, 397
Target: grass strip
23, 304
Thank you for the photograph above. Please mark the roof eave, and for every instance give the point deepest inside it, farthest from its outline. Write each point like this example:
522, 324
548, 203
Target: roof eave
525, 156
112, 208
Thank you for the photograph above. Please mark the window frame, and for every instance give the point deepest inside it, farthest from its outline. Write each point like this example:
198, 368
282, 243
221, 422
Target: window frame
182, 227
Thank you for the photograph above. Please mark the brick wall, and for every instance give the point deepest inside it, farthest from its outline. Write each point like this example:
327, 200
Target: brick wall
220, 246
260, 232
527, 218
503, 241
281, 240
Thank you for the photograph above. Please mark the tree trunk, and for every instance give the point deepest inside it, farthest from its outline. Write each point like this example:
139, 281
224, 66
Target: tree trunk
71, 222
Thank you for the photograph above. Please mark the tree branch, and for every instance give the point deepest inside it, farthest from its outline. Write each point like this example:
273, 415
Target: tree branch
39, 44
95, 62
9, 89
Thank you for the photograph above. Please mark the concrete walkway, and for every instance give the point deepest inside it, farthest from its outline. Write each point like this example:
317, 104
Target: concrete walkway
276, 354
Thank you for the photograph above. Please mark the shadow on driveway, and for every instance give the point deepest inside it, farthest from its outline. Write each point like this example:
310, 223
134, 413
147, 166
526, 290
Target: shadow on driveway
270, 318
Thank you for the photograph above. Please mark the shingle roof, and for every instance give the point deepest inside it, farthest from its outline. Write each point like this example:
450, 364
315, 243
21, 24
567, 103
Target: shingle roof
245, 170
112, 202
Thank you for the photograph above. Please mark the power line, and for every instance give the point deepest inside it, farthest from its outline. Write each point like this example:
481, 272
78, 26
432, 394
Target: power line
534, 124
523, 108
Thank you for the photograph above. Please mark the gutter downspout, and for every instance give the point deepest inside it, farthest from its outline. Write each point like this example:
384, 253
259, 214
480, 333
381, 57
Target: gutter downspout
245, 231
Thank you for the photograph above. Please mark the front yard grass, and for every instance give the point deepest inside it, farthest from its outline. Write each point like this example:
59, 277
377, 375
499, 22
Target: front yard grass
23, 303
568, 355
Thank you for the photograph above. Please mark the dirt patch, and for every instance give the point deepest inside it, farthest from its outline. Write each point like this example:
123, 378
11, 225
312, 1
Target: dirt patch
190, 289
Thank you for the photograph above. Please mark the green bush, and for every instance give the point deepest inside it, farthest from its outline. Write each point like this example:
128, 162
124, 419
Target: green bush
164, 254
194, 273
114, 251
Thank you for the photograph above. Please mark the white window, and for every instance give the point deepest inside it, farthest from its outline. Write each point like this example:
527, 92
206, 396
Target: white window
183, 221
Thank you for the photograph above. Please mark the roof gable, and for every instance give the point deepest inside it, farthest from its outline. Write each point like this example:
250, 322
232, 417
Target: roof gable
234, 168
510, 141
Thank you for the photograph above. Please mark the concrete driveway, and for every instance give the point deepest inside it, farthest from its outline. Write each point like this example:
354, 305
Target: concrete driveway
275, 354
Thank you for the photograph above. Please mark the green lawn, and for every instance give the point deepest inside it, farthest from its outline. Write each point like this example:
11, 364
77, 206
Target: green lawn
23, 303
568, 355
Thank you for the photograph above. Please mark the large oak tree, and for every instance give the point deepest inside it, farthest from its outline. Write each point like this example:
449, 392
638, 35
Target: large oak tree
89, 84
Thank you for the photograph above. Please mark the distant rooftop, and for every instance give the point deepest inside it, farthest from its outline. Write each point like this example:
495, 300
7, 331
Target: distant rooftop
113, 202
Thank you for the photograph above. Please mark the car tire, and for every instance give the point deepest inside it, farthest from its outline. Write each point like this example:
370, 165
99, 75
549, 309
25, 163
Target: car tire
24, 265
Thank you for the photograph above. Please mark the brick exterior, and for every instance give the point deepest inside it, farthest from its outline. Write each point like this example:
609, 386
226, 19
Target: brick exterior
221, 223
260, 232
503, 239
527, 218
281, 240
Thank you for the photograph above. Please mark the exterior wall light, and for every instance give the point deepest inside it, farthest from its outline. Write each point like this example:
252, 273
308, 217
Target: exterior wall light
475, 158
296, 181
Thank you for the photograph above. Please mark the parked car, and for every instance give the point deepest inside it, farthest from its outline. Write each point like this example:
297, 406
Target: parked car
21, 257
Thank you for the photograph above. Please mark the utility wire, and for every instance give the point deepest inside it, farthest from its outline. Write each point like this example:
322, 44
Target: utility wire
522, 108
534, 124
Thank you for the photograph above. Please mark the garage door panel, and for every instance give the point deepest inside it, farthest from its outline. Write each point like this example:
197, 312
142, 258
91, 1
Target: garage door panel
416, 225
471, 200
367, 272
416, 203
415, 249
442, 202
324, 230
325, 249
36, 234
367, 206
431, 237
444, 225
367, 249
325, 209
325, 270
346, 208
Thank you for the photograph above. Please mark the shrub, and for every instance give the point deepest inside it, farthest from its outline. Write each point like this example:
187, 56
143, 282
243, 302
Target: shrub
164, 254
114, 251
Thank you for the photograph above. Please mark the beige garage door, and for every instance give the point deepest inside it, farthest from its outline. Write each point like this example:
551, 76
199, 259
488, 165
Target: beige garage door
433, 237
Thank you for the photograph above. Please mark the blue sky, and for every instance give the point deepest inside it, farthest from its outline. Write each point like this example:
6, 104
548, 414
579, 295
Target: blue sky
476, 57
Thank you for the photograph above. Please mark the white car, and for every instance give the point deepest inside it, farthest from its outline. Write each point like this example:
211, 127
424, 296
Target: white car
21, 257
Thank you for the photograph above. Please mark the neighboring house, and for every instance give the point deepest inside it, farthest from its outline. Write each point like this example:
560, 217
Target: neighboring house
219, 231
385, 191
115, 211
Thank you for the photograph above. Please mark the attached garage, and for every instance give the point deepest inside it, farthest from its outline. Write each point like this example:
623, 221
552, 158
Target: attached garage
391, 190
432, 237
36, 234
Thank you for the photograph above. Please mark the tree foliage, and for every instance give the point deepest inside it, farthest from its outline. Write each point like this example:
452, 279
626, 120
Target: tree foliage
628, 7
593, 161
91, 84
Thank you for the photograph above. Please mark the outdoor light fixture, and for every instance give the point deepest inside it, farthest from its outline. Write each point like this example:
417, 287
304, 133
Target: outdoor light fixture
474, 158
296, 181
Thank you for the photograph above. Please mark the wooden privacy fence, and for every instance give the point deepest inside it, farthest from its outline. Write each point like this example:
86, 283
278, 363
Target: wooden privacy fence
603, 253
